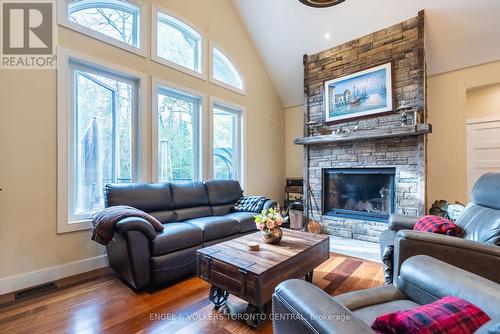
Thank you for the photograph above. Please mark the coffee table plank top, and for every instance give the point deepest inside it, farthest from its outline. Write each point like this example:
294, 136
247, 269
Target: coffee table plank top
235, 252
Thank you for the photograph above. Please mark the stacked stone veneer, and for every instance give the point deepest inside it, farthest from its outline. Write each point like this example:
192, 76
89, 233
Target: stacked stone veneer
403, 46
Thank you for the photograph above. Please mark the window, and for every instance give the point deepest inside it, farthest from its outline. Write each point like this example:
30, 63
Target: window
177, 136
176, 44
115, 22
99, 125
226, 143
225, 73
102, 137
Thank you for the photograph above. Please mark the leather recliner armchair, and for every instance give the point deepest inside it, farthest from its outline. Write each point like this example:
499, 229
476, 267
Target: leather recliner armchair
477, 252
300, 307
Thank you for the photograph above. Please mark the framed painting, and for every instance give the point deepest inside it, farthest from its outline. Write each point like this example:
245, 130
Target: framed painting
359, 94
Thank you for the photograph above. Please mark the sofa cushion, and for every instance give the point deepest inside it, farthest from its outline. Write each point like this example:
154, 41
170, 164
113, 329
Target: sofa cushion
215, 227
245, 219
222, 192
143, 196
164, 216
189, 194
190, 213
176, 236
370, 313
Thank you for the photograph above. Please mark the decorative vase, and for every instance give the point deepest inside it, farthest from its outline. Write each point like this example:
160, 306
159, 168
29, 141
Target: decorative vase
273, 236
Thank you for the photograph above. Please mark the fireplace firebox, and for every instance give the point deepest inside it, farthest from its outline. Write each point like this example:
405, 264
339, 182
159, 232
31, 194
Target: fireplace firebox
359, 193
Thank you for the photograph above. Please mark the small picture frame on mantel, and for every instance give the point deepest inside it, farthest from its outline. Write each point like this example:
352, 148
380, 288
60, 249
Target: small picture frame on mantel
363, 93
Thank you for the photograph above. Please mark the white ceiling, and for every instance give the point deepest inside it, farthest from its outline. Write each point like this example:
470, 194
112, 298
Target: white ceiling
459, 33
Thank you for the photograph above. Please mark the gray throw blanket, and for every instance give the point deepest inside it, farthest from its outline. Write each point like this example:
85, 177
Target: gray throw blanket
105, 221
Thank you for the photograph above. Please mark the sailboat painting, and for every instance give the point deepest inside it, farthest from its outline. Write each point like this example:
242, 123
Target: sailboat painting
360, 94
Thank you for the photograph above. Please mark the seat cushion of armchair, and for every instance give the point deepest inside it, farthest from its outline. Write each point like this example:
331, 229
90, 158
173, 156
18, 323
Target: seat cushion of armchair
176, 236
215, 227
245, 220
369, 313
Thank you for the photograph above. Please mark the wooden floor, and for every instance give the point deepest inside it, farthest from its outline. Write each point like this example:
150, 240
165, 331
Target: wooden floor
106, 305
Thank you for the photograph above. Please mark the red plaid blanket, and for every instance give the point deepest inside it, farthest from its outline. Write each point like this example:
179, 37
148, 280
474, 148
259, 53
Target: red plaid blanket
446, 315
436, 224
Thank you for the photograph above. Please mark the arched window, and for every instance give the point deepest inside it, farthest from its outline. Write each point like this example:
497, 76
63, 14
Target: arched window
224, 72
177, 44
116, 22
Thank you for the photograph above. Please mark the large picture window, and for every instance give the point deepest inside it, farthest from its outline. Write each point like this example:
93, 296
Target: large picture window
177, 136
177, 44
226, 142
100, 135
102, 150
120, 23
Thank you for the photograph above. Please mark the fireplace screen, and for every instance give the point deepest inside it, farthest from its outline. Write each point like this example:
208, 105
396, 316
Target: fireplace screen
359, 193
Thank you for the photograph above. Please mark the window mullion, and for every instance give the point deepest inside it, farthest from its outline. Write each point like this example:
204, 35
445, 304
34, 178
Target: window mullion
115, 134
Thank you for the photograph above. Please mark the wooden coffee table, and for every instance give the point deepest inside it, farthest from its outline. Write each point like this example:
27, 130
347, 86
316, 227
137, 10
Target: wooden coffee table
253, 275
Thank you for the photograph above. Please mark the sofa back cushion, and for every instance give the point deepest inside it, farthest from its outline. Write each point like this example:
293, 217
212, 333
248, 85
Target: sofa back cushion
189, 195
486, 191
222, 192
481, 218
143, 196
417, 280
480, 224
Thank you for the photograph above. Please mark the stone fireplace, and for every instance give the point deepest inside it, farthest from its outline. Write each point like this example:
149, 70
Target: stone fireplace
358, 171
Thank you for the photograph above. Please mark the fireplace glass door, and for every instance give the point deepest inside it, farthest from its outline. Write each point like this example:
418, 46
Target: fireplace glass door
359, 193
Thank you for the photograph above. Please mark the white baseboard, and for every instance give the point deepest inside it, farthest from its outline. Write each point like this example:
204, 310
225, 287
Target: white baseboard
33, 278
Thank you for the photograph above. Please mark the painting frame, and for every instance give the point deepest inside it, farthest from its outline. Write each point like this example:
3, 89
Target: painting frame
342, 104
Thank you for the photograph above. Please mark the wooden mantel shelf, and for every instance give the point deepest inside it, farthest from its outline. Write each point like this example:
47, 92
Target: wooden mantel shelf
403, 131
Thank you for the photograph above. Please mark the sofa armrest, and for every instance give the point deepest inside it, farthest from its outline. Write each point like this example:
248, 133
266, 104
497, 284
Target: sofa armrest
400, 222
479, 258
300, 307
129, 255
269, 204
136, 224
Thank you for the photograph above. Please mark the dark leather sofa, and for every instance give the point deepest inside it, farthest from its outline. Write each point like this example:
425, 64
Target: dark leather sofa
478, 251
300, 307
194, 214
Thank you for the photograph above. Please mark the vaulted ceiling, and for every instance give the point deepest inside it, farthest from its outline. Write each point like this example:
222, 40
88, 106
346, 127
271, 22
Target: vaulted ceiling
459, 33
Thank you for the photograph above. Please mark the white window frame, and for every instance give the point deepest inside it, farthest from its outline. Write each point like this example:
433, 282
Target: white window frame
240, 111
198, 130
242, 91
142, 50
154, 46
65, 114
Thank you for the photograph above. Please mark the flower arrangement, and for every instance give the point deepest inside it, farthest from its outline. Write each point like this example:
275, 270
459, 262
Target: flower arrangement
269, 219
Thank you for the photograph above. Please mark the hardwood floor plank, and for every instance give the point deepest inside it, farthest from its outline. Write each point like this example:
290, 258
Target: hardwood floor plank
104, 304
